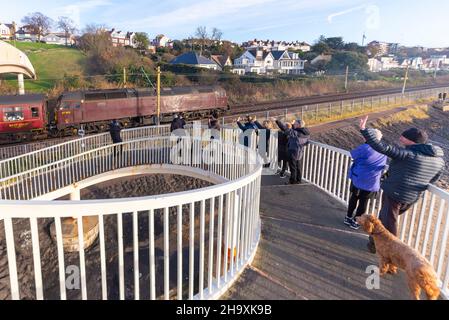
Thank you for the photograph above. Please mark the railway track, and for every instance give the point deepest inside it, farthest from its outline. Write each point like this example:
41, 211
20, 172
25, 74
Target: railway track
328, 98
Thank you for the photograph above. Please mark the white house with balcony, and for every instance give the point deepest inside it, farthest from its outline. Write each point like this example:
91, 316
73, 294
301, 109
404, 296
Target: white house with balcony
261, 62
287, 62
255, 61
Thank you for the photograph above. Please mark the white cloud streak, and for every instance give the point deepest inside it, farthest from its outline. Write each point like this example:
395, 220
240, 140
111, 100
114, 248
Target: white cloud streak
345, 12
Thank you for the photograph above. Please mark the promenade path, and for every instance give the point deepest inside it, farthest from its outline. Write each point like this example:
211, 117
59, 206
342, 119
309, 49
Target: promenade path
307, 253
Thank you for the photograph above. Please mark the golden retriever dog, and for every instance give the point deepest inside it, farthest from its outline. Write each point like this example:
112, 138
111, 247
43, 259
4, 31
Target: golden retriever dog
394, 253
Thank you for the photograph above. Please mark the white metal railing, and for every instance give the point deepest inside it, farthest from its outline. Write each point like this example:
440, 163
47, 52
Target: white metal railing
425, 226
46, 155
229, 211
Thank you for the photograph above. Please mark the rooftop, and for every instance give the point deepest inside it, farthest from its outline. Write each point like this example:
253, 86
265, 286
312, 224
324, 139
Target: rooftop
191, 58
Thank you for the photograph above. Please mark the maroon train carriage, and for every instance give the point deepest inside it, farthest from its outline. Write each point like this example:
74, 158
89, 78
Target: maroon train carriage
133, 107
22, 116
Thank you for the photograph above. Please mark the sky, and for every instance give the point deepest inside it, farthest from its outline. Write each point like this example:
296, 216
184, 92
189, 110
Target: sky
408, 22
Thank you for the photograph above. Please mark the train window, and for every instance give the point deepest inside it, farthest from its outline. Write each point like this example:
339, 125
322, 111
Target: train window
34, 112
95, 96
13, 114
116, 95
71, 105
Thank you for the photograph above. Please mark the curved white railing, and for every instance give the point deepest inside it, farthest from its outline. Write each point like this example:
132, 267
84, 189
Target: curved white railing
229, 210
60, 151
425, 226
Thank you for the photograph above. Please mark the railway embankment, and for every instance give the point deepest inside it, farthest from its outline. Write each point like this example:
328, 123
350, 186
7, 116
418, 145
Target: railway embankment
345, 134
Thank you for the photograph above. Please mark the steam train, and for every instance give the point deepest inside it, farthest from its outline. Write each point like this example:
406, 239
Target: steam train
31, 116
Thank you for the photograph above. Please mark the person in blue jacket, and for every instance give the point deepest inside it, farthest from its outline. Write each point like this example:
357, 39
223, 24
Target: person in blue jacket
365, 174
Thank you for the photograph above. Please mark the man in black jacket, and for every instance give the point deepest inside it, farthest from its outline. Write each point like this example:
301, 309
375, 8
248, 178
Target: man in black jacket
411, 170
298, 138
114, 130
282, 150
177, 123
249, 125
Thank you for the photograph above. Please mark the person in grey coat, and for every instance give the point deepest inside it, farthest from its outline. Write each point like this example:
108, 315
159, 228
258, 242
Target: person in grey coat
412, 168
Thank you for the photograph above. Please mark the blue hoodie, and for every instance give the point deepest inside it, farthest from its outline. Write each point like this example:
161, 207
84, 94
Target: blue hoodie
367, 168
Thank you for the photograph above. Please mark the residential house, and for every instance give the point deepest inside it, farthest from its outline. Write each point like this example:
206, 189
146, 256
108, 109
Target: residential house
122, 39
271, 45
222, 61
414, 63
384, 48
58, 38
162, 41
305, 47
195, 60
26, 33
239, 71
262, 61
7, 30
255, 61
389, 62
384, 64
437, 62
287, 62
374, 65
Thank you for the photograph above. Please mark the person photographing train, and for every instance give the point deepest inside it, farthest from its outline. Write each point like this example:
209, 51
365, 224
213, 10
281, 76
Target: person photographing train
115, 132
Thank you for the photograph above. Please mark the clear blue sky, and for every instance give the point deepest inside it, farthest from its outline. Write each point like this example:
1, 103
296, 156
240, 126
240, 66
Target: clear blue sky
409, 22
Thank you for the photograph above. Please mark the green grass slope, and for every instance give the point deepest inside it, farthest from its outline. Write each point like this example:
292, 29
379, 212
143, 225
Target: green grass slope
51, 63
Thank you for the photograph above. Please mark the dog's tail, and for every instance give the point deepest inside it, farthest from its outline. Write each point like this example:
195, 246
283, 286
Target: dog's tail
428, 282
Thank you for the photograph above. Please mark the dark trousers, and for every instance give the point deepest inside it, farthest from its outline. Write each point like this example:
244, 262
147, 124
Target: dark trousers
358, 201
295, 170
284, 166
390, 212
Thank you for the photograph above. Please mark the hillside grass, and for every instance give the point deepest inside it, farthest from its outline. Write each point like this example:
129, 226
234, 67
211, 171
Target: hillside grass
51, 63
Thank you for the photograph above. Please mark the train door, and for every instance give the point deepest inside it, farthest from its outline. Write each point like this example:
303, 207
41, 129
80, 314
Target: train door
77, 112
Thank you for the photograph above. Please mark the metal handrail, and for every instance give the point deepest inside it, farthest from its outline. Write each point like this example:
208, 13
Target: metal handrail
59, 151
235, 203
425, 226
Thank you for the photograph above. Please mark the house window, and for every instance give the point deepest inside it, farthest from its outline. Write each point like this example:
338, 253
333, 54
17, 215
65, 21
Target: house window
34, 112
13, 114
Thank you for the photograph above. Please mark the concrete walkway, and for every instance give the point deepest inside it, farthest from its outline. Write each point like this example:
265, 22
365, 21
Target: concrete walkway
307, 253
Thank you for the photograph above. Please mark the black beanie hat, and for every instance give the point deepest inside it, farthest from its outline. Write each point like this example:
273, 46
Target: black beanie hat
416, 135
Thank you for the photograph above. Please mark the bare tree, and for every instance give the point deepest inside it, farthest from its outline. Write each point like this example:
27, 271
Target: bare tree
217, 34
94, 28
202, 35
38, 23
95, 38
66, 25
